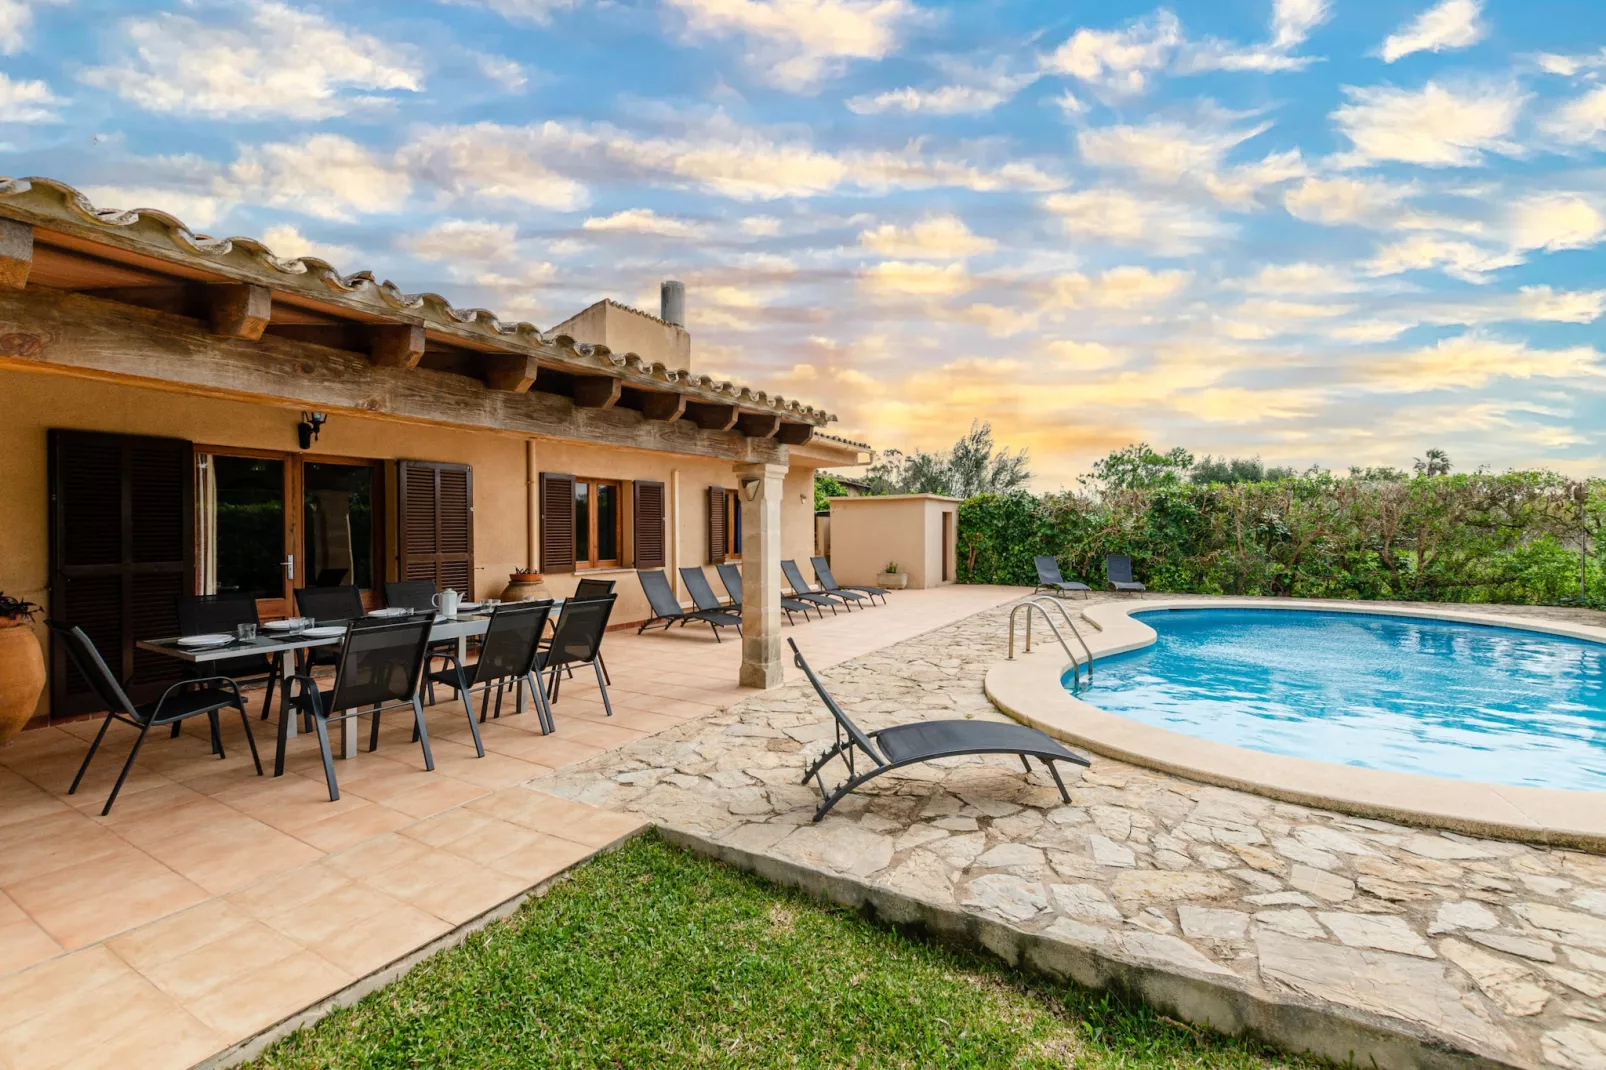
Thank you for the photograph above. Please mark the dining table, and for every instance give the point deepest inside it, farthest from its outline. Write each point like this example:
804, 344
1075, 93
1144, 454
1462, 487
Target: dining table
276, 644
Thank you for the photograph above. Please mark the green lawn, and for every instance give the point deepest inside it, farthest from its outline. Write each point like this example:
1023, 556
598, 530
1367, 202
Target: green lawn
653, 957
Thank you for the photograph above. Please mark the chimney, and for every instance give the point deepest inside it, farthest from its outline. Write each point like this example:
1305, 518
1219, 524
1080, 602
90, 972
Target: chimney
672, 302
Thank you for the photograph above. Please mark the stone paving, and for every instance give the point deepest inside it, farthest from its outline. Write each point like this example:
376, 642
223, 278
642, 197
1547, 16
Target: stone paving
1491, 947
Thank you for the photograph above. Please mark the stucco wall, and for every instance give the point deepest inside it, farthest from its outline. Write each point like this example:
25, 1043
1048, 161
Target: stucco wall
625, 331
869, 533
502, 517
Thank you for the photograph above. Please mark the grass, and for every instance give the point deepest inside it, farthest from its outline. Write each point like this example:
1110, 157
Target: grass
651, 956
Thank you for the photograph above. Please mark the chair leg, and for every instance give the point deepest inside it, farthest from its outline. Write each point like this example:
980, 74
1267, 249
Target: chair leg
473, 728
275, 670
1058, 783
485, 703
552, 688
606, 705
423, 733
604, 665
93, 747
126, 767
250, 740
174, 734
217, 736
321, 726
1025, 764
373, 731
286, 711
543, 712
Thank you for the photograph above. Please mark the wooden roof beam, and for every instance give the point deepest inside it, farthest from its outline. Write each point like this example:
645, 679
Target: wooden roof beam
396, 345
665, 407
758, 425
509, 372
16, 254
597, 391
710, 416
795, 434
239, 309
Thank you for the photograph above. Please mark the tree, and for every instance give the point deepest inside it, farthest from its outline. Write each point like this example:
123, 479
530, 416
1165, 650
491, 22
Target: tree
1236, 470
1436, 463
1140, 467
975, 465
825, 488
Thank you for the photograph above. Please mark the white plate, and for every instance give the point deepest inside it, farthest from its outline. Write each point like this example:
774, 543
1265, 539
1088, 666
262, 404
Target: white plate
214, 639
325, 631
468, 607
393, 611
281, 626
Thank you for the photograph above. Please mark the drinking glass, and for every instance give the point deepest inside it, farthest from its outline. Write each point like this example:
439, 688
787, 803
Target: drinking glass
245, 632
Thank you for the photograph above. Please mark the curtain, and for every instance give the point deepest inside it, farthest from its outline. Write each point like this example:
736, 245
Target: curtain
205, 524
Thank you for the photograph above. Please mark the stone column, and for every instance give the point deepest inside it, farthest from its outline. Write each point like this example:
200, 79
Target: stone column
759, 486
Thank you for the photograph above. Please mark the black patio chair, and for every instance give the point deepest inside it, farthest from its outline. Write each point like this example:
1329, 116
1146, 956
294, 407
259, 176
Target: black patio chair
804, 593
379, 667
829, 585
1049, 578
207, 614
596, 589
731, 577
578, 641
194, 697
509, 654
666, 607
326, 605
415, 595
702, 593
923, 741
1118, 569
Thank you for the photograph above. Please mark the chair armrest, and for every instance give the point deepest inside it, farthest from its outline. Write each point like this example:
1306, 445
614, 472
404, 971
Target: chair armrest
191, 681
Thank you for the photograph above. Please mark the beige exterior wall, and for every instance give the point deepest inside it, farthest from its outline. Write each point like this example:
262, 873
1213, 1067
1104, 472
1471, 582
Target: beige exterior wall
502, 514
625, 330
868, 533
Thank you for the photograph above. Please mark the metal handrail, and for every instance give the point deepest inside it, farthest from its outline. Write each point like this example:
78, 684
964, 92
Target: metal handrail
1039, 599
1076, 675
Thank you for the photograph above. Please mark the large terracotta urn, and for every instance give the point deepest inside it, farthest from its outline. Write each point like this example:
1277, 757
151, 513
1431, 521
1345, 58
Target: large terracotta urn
525, 587
22, 675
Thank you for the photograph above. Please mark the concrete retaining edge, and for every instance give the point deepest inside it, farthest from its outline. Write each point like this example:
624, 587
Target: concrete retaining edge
1294, 1024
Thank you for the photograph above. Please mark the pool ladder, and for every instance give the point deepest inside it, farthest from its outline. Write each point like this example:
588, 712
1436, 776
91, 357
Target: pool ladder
1037, 603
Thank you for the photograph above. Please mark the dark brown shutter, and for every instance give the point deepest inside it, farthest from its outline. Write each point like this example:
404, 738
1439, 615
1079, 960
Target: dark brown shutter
557, 522
716, 525
435, 528
649, 523
122, 548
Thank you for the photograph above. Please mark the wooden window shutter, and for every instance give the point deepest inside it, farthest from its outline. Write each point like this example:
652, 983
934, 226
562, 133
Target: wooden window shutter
648, 501
122, 549
557, 522
716, 525
435, 522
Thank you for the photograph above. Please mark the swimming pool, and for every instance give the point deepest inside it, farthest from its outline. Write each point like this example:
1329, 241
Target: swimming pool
1439, 698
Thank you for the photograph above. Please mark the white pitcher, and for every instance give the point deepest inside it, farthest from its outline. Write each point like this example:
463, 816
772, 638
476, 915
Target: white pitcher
447, 602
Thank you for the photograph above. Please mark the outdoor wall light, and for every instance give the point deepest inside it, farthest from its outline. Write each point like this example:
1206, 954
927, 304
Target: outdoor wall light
311, 423
750, 489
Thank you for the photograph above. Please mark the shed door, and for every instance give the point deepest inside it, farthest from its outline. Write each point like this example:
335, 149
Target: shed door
122, 522
435, 533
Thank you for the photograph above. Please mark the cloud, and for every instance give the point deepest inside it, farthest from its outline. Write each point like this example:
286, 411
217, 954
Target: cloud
531, 12
469, 240
761, 226
795, 44
1171, 153
26, 102
1302, 278
1554, 221
288, 243
1568, 66
942, 237
642, 221
1083, 356
325, 175
1460, 259
1117, 288
280, 61
1238, 404
507, 73
1581, 121
1435, 126
1564, 306
902, 277
1291, 24
16, 17
494, 161
1470, 361
1451, 24
1363, 201
196, 210
1119, 61
1121, 217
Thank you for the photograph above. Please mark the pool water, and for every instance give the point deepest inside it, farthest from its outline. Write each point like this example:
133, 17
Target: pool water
1465, 701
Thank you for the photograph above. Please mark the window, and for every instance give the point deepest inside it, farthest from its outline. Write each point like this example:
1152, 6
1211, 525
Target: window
724, 525
597, 523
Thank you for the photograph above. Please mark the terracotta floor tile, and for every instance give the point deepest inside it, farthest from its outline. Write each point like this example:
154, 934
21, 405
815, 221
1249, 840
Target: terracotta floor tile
542, 857
273, 993
446, 885
472, 834
33, 992
164, 1041
440, 793
344, 829
287, 803
21, 800
119, 906
315, 921
363, 945
599, 828
493, 771
153, 944
287, 891
233, 854
534, 810
380, 853
238, 956
22, 944
51, 843
554, 751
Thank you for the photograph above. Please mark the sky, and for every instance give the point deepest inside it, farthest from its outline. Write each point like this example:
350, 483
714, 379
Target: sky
1325, 232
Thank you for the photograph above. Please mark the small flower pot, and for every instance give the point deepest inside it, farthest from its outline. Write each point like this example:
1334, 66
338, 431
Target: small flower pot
525, 587
892, 581
22, 675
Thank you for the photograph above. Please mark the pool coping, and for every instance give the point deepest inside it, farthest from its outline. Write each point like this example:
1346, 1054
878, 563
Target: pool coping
1028, 688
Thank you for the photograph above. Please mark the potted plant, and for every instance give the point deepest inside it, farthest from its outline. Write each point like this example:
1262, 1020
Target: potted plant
892, 579
22, 665
524, 585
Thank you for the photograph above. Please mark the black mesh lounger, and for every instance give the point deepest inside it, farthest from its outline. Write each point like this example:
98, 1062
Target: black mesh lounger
666, 607
922, 741
828, 583
1049, 578
1118, 568
802, 591
731, 577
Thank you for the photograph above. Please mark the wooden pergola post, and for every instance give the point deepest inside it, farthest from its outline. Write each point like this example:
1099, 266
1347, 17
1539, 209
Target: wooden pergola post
759, 485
